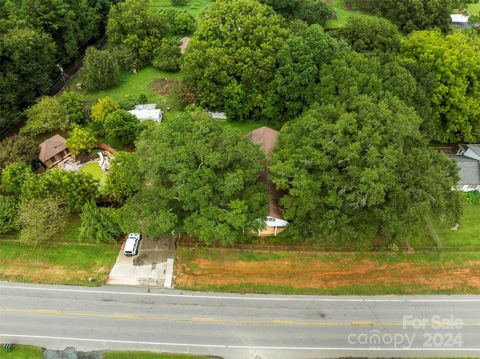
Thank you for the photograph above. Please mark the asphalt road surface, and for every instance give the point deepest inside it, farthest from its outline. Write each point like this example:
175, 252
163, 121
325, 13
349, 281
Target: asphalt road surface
239, 326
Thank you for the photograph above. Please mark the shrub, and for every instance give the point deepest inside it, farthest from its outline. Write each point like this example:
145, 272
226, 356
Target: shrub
168, 56
74, 188
102, 108
97, 224
179, 2
75, 105
17, 148
472, 197
121, 181
45, 116
8, 214
123, 126
100, 69
41, 219
81, 140
183, 23
14, 177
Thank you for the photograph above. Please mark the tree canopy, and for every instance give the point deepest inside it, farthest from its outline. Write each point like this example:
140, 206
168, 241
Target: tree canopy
100, 70
356, 169
371, 34
299, 62
48, 114
136, 29
198, 178
411, 15
35, 36
232, 58
455, 62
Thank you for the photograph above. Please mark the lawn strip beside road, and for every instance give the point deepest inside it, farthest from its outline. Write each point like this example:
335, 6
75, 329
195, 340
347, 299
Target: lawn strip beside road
56, 263
21, 352
281, 272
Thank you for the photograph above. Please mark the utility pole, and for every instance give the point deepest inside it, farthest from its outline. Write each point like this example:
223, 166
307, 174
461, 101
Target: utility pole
63, 76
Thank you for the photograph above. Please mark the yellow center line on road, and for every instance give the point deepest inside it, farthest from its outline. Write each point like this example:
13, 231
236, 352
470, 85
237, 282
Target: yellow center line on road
127, 316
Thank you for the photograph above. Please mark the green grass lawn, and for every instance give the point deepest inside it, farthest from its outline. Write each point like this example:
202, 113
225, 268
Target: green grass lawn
133, 85
70, 263
143, 355
243, 127
343, 13
21, 352
468, 234
93, 169
466, 238
193, 7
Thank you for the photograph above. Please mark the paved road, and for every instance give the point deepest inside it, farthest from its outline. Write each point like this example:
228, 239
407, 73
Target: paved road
239, 326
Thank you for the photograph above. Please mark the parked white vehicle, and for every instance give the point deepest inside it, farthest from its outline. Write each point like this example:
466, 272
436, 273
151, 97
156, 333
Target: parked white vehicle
131, 245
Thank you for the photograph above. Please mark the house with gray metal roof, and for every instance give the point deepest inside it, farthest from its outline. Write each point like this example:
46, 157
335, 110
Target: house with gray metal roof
468, 161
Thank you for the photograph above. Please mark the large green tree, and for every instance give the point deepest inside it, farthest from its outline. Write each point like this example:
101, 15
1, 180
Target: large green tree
17, 148
348, 77
455, 62
362, 168
232, 58
136, 28
122, 126
100, 69
8, 214
81, 139
371, 34
299, 63
14, 176
40, 219
199, 178
97, 226
28, 61
122, 180
411, 15
74, 188
310, 11
48, 114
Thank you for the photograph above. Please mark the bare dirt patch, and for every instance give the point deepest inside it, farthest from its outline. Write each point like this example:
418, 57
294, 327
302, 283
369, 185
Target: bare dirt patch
326, 272
164, 86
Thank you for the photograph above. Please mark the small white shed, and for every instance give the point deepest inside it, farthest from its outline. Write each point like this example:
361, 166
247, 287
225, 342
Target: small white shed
146, 112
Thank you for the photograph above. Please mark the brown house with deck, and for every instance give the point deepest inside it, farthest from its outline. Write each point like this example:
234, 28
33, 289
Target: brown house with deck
53, 151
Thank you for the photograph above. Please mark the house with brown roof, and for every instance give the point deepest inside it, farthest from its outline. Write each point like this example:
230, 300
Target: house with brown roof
53, 151
266, 138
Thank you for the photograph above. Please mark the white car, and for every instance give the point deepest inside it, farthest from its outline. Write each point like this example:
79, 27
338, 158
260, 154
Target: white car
131, 245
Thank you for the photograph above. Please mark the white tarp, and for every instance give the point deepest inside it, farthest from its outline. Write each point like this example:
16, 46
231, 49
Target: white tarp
459, 18
144, 115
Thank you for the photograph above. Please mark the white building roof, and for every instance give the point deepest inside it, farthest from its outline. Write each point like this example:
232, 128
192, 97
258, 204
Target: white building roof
144, 115
459, 18
146, 106
218, 115
275, 222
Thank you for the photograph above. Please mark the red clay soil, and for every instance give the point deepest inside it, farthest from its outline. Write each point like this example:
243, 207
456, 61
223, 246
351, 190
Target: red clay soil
200, 272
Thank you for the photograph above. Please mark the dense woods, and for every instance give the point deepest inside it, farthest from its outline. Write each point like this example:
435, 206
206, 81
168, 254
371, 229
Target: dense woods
35, 37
